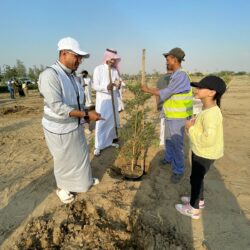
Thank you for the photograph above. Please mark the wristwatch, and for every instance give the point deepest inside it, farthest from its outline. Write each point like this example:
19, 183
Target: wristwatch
86, 114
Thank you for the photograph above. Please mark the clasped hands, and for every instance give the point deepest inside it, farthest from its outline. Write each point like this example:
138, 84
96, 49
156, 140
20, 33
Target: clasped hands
112, 85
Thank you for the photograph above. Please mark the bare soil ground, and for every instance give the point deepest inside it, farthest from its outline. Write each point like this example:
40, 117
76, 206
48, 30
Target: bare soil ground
119, 214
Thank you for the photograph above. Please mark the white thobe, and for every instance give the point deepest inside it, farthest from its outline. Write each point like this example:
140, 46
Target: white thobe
105, 129
87, 90
67, 144
120, 98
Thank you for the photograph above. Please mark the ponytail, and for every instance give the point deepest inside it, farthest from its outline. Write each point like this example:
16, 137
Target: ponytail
217, 97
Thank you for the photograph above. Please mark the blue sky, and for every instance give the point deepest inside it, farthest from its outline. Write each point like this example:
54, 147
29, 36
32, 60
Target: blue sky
215, 34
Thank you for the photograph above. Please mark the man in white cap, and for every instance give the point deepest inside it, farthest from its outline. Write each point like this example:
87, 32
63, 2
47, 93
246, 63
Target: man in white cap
63, 110
106, 130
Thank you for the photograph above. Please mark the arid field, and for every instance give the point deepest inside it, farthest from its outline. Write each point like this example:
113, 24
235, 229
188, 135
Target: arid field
120, 214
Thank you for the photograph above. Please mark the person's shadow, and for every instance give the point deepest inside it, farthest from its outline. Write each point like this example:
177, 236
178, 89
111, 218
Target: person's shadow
15, 126
101, 164
225, 224
22, 204
156, 224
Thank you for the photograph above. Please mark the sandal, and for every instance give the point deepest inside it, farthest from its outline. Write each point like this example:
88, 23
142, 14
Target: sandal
65, 196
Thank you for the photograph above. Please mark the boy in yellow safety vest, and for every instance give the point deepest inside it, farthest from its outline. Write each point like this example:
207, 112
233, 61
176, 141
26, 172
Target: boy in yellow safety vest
177, 100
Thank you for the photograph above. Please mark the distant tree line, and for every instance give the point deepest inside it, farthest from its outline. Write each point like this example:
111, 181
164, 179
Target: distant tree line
19, 71
157, 74
223, 73
227, 76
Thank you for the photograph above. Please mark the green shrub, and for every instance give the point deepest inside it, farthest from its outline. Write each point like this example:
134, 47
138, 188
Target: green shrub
33, 86
139, 131
4, 89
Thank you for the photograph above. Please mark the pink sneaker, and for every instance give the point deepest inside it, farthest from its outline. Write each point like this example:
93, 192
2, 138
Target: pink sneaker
188, 211
186, 200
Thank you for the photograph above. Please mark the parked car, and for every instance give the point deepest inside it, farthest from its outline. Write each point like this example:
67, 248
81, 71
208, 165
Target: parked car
26, 80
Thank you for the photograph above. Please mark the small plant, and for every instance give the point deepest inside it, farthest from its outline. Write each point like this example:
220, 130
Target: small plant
138, 132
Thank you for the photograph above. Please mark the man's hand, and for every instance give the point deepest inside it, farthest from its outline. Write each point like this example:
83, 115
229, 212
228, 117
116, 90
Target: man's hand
144, 88
111, 86
118, 84
94, 116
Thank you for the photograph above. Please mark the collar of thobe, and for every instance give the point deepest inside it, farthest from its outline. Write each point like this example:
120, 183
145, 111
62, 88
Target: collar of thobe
107, 66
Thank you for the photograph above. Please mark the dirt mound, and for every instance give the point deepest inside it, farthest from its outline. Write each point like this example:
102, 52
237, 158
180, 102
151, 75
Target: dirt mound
16, 109
84, 226
147, 236
72, 227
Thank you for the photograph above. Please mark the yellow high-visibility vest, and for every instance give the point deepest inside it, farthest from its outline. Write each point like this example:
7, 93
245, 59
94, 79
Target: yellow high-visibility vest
179, 106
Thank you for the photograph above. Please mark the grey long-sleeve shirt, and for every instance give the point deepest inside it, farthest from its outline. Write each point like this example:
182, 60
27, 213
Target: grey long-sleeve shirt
50, 87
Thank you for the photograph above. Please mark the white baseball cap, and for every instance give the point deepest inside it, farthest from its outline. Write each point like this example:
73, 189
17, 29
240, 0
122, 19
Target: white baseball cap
69, 43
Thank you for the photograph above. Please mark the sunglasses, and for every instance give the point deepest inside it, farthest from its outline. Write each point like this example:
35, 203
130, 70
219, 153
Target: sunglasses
76, 55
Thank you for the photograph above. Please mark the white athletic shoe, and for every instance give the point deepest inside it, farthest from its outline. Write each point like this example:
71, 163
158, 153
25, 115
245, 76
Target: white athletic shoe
186, 199
188, 211
65, 196
97, 152
116, 145
95, 181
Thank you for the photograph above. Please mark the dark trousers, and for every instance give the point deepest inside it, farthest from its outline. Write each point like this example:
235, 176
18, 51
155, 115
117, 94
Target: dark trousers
200, 166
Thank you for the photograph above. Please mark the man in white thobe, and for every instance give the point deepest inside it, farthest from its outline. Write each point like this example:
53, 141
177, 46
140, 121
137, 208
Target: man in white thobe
121, 105
105, 132
86, 83
63, 109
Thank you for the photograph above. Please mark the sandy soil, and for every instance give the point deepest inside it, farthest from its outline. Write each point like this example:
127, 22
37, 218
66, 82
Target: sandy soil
118, 214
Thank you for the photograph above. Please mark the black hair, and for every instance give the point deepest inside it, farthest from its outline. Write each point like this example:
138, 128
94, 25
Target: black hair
217, 98
85, 72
